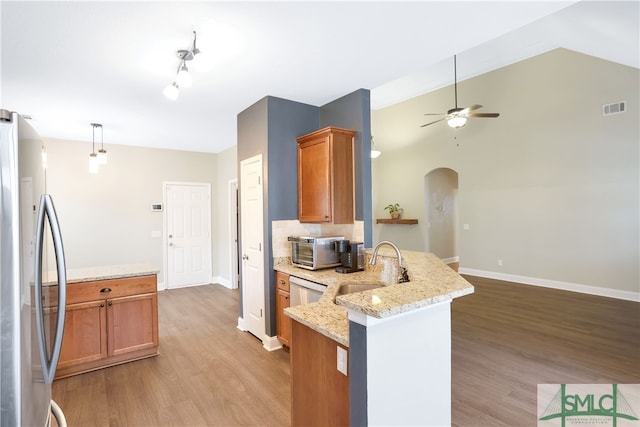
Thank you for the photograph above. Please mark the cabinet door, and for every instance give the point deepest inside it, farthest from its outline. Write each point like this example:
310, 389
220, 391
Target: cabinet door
314, 181
132, 323
283, 325
85, 333
319, 392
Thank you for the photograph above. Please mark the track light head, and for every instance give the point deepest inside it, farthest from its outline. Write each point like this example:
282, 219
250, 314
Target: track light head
171, 91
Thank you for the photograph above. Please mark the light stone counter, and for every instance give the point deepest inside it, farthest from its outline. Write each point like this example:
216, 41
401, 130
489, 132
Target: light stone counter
90, 274
431, 282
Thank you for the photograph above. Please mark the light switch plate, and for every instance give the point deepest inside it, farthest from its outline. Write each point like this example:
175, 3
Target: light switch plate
342, 360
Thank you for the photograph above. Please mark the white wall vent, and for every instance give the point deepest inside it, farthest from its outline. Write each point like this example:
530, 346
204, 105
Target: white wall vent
615, 108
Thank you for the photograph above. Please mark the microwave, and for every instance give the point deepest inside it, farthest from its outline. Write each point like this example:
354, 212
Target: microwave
314, 253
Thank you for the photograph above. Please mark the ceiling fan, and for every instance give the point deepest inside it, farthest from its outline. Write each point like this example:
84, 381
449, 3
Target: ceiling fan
457, 116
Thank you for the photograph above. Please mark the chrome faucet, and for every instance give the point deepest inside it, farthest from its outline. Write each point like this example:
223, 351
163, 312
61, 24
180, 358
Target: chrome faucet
404, 274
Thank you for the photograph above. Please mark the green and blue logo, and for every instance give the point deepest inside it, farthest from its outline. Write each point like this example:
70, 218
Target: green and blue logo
588, 404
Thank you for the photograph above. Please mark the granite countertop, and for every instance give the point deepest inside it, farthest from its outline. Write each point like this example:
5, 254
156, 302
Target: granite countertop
431, 282
90, 274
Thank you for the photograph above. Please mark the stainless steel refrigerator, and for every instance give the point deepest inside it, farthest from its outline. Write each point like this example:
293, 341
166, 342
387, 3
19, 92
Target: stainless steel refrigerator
33, 275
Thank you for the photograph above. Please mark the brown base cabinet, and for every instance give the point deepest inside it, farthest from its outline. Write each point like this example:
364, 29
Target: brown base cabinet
319, 392
283, 322
109, 322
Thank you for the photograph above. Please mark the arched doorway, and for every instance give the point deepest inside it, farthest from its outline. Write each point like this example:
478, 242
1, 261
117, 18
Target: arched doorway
441, 211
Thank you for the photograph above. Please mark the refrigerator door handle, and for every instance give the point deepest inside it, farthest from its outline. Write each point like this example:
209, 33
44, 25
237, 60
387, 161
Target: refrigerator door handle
49, 365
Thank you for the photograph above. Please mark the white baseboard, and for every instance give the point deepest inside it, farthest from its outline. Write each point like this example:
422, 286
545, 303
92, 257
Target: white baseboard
554, 284
450, 260
271, 343
190, 285
241, 325
222, 281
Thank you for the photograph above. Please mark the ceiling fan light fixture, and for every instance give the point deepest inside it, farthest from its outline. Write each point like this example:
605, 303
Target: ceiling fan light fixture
171, 91
457, 122
457, 116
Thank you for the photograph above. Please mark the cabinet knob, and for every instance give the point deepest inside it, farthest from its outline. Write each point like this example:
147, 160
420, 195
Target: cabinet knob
286, 297
282, 282
105, 290
101, 305
109, 303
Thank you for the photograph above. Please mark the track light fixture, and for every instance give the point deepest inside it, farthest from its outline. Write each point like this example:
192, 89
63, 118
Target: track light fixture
183, 76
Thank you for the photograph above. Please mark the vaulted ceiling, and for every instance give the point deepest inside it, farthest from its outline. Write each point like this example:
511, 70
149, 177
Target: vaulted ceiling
68, 64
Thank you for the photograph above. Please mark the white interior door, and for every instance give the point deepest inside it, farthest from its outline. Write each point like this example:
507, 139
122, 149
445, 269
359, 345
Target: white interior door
251, 217
188, 234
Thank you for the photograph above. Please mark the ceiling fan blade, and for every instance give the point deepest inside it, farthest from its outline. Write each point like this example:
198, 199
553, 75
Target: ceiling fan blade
430, 123
483, 114
435, 114
470, 108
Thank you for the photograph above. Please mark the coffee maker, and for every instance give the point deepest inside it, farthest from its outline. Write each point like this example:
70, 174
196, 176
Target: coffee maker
351, 256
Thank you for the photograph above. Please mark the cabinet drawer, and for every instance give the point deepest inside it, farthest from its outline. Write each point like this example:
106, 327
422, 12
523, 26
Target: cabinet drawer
282, 281
112, 288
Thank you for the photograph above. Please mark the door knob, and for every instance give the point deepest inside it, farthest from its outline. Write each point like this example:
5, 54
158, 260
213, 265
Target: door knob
170, 235
245, 257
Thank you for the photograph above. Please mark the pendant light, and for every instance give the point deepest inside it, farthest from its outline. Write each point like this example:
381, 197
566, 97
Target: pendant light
93, 157
102, 153
374, 153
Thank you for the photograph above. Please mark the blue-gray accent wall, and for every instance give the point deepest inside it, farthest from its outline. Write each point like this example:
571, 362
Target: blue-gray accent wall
353, 111
357, 374
270, 127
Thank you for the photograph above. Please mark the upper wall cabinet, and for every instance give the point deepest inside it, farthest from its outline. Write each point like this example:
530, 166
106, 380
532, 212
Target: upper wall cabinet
326, 176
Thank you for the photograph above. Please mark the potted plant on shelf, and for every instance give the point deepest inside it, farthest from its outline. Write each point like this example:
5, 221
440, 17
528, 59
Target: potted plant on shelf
394, 210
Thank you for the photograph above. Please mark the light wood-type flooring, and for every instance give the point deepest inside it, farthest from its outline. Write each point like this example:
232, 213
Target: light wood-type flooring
507, 338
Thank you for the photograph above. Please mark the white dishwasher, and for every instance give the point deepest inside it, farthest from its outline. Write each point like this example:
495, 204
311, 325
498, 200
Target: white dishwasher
304, 291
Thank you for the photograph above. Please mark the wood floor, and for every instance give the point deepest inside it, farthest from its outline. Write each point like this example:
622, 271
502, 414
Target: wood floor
208, 373
507, 338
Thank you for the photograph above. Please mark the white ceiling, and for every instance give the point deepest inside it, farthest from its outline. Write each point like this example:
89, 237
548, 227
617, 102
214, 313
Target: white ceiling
68, 64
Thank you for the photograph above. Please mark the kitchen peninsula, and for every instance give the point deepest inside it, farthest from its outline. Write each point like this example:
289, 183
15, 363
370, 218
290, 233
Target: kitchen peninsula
398, 339
111, 317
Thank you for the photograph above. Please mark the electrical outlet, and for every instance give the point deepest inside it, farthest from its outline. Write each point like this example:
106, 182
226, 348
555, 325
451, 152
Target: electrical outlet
500, 262
342, 360
465, 226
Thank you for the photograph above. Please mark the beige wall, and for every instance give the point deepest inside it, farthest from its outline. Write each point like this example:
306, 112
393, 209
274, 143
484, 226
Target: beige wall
106, 218
551, 187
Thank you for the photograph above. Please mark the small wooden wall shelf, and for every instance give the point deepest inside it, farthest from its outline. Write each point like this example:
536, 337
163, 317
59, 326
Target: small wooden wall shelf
396, 221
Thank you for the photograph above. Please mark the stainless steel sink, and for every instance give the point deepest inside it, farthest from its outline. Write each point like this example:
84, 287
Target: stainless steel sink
351, 288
